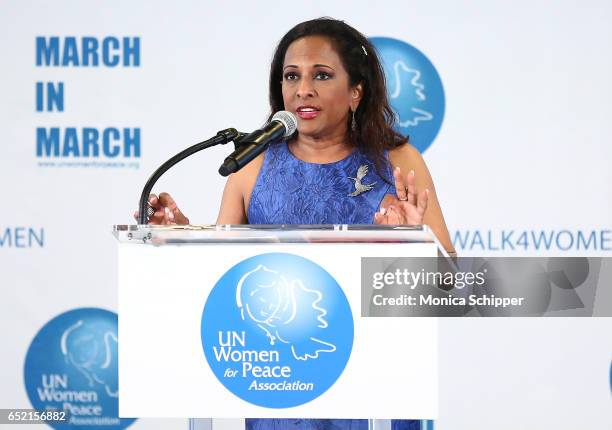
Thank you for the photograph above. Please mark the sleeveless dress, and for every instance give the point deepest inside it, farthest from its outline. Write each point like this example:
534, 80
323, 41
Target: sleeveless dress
291, 191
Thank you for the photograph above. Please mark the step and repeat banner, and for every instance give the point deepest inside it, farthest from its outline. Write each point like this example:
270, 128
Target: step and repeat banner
509, 103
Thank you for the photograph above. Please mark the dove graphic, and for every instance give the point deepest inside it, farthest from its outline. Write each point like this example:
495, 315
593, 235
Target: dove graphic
91, 353
285, 310
415, 91
417, 115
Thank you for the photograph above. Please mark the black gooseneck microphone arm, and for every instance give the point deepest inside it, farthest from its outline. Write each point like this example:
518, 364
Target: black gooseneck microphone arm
222, 137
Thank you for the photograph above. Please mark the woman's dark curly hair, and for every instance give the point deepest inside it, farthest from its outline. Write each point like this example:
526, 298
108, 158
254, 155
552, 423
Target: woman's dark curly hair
374, 132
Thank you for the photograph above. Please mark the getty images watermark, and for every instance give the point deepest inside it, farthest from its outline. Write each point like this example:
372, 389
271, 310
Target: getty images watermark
486, 287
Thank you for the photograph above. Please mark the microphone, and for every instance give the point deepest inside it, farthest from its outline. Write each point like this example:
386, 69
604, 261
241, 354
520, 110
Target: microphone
282, 125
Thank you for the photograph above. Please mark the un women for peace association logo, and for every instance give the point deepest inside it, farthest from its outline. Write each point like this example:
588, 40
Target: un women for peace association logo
71, 365
414, 88
277, 330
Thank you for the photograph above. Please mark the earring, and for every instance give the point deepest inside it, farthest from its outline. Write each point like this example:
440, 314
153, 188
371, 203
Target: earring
353, 122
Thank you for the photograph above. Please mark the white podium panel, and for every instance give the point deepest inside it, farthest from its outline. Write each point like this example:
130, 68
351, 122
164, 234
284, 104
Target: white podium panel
163, 369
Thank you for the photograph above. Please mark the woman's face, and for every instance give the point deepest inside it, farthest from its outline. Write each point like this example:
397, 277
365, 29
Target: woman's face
316, 88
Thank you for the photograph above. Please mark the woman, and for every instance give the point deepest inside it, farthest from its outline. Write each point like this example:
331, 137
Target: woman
337, 168
328, 74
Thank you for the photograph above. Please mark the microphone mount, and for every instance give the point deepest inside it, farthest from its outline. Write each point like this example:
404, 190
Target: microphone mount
221, 138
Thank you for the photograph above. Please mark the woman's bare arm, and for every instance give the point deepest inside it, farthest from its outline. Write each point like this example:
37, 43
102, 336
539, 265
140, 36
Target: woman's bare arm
237, 193
409, 159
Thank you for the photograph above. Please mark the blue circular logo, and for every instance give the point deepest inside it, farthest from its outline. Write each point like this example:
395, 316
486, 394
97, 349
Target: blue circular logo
277, 330
71, 365
415, 90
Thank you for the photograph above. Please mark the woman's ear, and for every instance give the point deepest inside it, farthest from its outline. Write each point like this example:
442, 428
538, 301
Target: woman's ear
356, 95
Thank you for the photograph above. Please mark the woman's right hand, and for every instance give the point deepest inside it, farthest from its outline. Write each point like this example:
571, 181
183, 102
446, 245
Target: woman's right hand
166, 211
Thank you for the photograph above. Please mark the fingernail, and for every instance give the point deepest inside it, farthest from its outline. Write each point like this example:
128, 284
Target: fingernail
170, 214
427, 191
383, 210
412, 172
397, 169
151, 199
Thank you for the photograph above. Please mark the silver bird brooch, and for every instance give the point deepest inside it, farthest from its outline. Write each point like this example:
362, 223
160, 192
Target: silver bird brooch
359, 187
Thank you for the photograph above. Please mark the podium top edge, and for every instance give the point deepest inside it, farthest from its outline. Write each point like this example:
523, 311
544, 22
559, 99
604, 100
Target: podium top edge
251, 233
269, 227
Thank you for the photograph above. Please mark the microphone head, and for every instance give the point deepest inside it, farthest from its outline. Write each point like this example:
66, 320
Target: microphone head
288, 120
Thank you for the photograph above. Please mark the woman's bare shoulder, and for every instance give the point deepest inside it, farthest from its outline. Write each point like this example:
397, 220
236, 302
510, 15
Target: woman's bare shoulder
406, 156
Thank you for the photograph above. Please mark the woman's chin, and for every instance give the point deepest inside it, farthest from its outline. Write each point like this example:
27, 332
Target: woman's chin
310, 132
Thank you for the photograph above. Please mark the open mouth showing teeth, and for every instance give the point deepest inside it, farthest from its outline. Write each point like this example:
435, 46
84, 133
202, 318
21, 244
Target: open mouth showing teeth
307, 109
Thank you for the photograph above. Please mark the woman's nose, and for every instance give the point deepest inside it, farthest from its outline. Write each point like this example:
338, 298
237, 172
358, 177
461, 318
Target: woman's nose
305, 88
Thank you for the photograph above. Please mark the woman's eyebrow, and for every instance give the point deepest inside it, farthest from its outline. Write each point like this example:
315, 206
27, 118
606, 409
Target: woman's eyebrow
314, 65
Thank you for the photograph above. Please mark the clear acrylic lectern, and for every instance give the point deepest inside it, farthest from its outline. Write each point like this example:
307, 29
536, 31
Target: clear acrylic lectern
166, 275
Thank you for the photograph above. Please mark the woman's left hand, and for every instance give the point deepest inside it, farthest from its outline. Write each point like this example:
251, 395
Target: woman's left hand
407, 206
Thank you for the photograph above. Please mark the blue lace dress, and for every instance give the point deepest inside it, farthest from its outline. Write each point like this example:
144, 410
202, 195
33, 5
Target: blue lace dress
291, 191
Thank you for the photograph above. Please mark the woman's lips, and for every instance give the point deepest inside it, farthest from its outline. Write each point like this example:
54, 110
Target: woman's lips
307, 113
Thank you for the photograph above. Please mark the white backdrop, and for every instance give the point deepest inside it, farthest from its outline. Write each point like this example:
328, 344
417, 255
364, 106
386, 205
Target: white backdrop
524, 146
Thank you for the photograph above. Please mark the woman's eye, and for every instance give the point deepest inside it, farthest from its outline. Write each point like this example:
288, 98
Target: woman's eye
323, 76
290, 76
